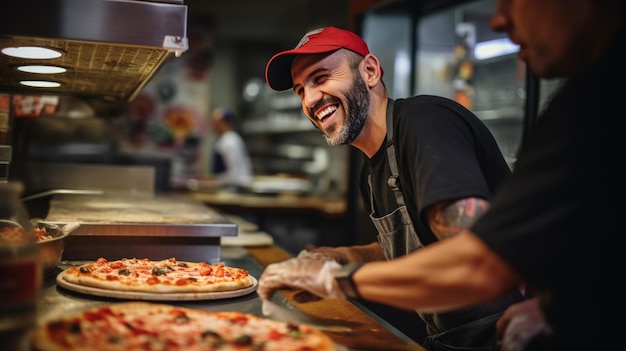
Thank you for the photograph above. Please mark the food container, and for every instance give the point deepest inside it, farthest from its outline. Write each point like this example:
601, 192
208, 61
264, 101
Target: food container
52, 245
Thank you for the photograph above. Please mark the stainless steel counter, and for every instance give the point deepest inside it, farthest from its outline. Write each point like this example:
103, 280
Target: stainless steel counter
57, 301
153, 226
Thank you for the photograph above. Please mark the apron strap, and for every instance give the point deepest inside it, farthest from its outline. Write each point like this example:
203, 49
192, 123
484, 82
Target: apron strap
394, 179
396, 233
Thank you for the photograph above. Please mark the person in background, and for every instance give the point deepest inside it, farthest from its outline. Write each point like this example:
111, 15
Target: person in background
430, 166
552, 225
231, 162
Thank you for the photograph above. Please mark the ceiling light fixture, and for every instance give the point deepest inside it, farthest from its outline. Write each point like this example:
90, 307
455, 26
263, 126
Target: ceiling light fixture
31, 52
40, 83
42, 69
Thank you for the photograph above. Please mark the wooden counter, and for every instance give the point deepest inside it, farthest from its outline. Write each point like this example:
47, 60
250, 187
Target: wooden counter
293, 220
236, 202
367, 333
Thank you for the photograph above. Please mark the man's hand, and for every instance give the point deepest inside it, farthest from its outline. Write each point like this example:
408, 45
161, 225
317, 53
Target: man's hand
345, 254
315, 276
520, 323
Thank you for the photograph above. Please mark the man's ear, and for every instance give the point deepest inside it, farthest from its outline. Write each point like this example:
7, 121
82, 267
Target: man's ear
371, 70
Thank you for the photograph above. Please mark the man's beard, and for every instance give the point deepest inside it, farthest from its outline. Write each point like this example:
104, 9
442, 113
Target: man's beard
358, 103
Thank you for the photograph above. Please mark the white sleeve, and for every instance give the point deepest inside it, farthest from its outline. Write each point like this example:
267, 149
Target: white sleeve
236, 159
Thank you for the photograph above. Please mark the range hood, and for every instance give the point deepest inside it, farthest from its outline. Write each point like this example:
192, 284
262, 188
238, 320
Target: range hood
111, 48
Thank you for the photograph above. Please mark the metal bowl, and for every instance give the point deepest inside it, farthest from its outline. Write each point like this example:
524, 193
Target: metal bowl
51, 250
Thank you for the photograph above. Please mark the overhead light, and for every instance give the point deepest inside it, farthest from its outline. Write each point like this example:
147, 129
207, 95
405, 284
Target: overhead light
42, 69
494, 48
40, 83
252, 89
31, 52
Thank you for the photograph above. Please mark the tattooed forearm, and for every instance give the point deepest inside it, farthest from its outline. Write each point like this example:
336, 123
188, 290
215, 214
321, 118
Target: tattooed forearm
447, 219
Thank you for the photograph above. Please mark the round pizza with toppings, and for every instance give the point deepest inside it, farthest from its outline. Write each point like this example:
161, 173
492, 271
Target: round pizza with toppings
131, 326
162, 276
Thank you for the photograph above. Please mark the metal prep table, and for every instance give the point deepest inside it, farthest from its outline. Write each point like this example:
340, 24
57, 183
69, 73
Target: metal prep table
368, 332
140, 226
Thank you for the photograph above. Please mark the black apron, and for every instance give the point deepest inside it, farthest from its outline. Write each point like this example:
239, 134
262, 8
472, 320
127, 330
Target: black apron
397, 237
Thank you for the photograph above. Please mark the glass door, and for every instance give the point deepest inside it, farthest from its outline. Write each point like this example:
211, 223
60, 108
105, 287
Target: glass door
459, 56
452, 51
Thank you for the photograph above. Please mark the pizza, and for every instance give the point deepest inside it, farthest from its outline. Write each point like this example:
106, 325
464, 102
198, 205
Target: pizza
130, 326
163, 276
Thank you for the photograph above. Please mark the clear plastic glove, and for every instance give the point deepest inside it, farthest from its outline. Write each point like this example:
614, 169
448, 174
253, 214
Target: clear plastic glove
520, 323
315, 276
344, 254
340, 255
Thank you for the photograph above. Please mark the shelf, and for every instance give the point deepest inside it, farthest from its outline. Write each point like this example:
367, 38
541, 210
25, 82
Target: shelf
278, 125
512, 113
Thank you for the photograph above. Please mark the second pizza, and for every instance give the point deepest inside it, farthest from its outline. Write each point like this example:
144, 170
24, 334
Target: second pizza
162, 276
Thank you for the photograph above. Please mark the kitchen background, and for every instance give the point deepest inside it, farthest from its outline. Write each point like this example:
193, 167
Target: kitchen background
90, 137
427, 47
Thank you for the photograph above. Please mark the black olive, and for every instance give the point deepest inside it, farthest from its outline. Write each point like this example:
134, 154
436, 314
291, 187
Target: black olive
114, 339
73, 327
181, 319
213, 339
158, 271
243, 340
84, 270
123, 271
210, 333
182, 264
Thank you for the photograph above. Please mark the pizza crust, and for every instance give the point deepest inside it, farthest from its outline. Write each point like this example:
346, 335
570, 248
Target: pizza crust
86, 280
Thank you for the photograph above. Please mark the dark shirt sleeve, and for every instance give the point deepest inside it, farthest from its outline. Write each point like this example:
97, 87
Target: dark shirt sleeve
448, 152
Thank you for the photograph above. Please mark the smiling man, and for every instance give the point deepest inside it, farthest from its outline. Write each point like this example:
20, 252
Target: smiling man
430, 167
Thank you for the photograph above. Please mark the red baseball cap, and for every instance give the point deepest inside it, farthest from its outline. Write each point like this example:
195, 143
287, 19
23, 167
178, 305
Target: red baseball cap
327, 39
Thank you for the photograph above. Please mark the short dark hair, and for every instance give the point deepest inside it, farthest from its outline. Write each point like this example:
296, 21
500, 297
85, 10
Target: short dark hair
353, 58
353, 61
228, 116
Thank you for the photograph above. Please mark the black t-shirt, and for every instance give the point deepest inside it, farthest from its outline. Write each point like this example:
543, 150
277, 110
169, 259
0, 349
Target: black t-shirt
555, 219
444, 152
